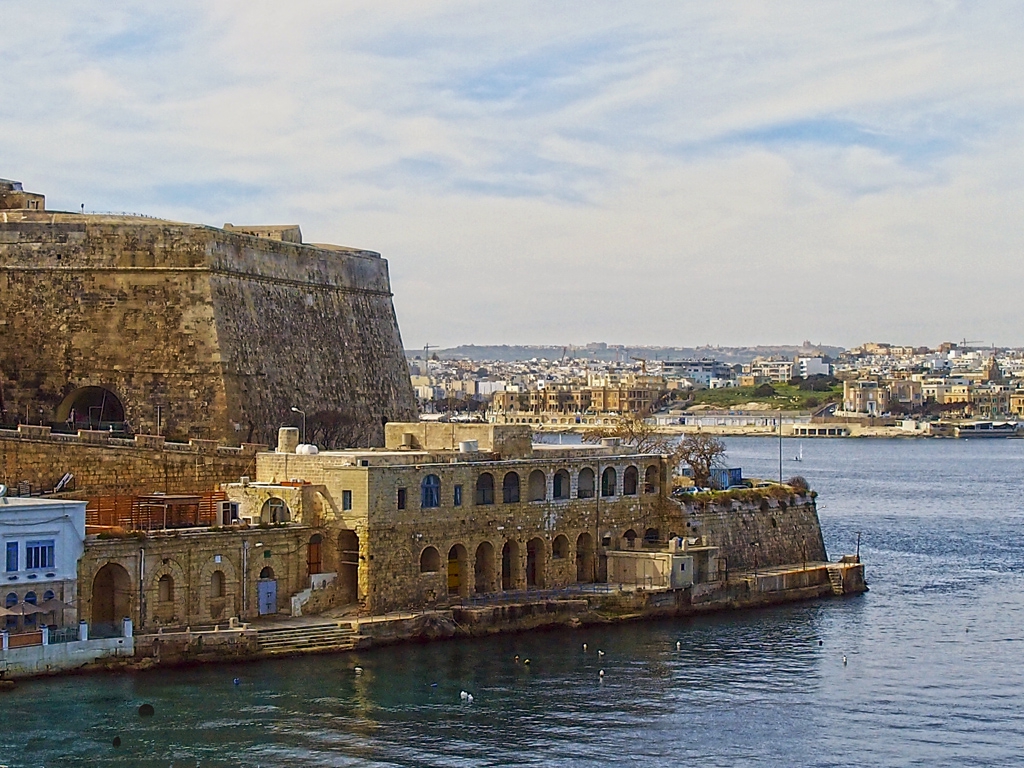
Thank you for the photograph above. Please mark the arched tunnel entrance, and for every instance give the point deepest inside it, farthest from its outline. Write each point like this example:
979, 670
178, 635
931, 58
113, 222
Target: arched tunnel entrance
91, 408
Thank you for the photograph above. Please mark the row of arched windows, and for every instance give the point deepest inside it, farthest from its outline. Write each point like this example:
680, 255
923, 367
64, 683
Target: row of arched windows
537, 486
31, 598
165, 586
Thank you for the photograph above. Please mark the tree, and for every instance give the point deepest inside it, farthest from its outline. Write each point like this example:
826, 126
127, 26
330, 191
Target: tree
336, 429
633, 430
702, 453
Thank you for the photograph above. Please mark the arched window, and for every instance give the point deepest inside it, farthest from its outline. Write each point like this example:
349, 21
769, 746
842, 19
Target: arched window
652, 536
510, 488
630, 537
485, 489
165, 589
561, 484
608, 481
560, 547
651, 479
630, 480
48, 595
538, 486
30, 618
217, 585
430, 560
267, 573
585, 487
430, 492
274, 511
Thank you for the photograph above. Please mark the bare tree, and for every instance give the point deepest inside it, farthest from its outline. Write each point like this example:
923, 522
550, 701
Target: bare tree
336, 429
702, 453
632, 430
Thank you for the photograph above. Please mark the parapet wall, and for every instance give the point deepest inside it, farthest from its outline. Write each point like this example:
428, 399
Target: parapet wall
102, 465
774, 531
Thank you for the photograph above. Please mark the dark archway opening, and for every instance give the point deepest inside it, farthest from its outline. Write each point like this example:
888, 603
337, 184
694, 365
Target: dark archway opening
510, 565
111, 599
348, 564
91, 408
483, 569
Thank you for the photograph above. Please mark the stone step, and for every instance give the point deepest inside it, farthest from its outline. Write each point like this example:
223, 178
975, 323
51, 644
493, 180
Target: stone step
314, 637
836, 578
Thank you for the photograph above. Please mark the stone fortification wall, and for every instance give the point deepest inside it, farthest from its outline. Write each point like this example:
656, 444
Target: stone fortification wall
223, 331
786, 531
105, 466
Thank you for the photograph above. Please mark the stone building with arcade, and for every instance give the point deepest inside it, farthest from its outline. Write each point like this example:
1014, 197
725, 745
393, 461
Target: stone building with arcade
451, 511
441, 514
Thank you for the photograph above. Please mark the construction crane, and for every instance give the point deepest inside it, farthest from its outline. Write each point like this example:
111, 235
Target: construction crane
643, 364
426, 350
965, 344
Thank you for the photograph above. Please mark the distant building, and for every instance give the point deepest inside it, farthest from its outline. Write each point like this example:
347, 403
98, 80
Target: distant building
805, 367
700, 372
865, 396
779, 371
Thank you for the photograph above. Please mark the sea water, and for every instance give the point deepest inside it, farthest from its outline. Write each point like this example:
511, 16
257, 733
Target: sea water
926, 669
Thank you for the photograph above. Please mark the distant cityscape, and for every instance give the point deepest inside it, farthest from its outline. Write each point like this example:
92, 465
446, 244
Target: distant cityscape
874, 386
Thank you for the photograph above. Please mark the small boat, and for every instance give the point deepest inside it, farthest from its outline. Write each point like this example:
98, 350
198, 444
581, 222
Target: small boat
800, 454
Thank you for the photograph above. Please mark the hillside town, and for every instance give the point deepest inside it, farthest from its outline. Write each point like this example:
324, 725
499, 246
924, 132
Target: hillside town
906, 390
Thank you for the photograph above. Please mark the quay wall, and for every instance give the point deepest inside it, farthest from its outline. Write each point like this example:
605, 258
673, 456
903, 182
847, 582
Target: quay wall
102, 465
56, 658
771, 530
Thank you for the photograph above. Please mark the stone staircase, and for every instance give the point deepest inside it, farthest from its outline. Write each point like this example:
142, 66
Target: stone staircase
306, 638
835, 576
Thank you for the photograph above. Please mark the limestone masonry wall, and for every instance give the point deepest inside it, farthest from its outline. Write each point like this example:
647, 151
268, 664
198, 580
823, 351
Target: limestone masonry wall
785, 531
221, 333
102, 466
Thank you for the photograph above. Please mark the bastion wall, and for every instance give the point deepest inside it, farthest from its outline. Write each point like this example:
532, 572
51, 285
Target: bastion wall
199, 332
774, 531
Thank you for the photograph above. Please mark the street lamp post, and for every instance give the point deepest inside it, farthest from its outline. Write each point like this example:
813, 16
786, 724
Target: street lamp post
303, 413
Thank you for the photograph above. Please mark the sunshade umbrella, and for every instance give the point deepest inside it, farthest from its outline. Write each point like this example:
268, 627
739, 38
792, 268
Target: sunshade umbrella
53, 604
24, 609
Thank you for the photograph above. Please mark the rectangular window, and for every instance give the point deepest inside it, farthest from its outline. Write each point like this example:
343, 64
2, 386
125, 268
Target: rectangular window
346, 499
39, 554
401, 498
12, 555
457, 496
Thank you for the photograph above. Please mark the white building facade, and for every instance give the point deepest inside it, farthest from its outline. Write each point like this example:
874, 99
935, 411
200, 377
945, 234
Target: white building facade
42, 541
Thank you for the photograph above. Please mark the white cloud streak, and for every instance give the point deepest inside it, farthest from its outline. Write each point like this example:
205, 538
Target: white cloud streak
653, 172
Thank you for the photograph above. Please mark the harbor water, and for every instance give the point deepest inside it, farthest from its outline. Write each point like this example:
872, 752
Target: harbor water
926, 669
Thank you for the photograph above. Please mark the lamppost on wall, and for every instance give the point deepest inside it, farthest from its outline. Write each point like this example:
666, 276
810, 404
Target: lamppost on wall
300, 411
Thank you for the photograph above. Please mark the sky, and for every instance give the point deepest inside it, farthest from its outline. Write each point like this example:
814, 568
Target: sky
664, 173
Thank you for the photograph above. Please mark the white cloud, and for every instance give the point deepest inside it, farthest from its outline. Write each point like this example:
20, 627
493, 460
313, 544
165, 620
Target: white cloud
653, 172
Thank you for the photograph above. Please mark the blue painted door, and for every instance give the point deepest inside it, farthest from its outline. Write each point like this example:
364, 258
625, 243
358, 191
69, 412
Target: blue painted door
266, 592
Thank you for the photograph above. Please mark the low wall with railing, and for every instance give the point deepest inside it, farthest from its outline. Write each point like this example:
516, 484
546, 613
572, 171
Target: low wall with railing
34, 659
33, 461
